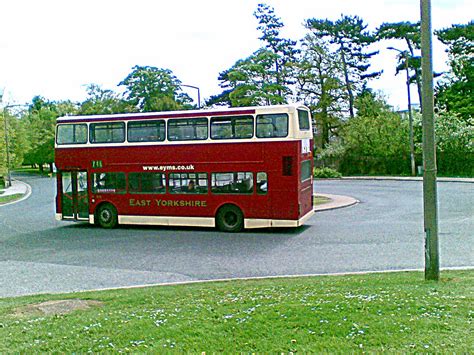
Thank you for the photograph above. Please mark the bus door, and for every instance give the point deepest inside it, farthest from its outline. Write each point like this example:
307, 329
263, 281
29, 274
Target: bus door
74, 195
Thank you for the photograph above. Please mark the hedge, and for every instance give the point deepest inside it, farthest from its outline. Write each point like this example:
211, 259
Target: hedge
448, 164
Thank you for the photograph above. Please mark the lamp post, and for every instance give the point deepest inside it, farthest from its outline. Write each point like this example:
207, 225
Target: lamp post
199, 92
430, 199
7, 147
404, 54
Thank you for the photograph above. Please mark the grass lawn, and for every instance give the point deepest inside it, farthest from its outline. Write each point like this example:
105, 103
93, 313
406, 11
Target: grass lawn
319, 200
396, 312
33, 171
9, 198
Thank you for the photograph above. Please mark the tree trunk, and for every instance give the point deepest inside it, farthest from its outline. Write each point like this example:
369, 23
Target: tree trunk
417, 71
348, 84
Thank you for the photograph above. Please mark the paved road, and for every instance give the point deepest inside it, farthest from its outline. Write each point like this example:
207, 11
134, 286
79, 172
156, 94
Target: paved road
383, 232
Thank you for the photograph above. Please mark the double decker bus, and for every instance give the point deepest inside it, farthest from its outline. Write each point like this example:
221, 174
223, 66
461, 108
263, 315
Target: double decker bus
229, 168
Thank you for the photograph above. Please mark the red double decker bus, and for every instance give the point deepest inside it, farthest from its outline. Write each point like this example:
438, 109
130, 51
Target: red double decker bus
231, 168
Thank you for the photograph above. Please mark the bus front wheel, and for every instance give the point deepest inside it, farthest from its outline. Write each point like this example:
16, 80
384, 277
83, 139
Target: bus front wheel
230, 219
107, 216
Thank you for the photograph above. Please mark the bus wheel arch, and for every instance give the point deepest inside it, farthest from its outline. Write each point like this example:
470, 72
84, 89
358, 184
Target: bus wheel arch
106, 215
229, 218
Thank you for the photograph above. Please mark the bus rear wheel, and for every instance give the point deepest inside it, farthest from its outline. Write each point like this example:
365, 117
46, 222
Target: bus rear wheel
230, 219
107, 216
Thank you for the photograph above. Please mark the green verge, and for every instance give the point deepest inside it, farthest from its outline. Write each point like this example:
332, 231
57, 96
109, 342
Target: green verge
33, 171
9, 198
396, 312
320, 200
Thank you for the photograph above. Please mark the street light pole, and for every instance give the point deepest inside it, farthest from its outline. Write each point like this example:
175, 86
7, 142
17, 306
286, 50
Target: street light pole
430, 200
404, 54
7, 147
199, 92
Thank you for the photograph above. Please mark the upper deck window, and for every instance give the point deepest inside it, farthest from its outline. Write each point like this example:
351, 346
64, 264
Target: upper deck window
146, 131
107, 132
272, 125
187, 129
303, 120
72, 134
235, 127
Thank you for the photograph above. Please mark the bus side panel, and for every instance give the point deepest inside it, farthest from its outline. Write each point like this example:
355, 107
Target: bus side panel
282, 163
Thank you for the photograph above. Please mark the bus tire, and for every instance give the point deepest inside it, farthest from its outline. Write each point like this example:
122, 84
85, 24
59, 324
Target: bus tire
107, 216
230, 218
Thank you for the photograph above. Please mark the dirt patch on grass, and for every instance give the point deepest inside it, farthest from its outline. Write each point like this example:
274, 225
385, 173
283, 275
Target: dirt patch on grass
57, 307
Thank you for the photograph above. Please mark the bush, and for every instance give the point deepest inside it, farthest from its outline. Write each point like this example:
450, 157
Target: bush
354, 164
2, 182
324, 173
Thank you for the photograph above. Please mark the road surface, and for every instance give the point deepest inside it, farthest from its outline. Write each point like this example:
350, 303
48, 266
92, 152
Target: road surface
383, 232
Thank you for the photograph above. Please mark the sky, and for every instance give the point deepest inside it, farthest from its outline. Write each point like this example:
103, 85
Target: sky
54, 48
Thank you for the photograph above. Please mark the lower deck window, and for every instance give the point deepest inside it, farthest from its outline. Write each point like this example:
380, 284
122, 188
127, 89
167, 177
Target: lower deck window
305, 170
108, 183
188, 183
262, 183
147, 183
232, 183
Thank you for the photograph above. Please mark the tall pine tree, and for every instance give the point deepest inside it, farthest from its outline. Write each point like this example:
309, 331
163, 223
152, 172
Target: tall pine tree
456, 92
351, 40
409, 33
265, 77
320, 85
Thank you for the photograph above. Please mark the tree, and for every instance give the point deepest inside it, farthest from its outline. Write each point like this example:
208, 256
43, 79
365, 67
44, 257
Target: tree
40, 121
321, 87
351, 40
15, 135
410, 33
456, 92
103, 101
283, 49
454, 142
265, 77
250, 81
153, 89
16, 140
377, 130
376, 141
